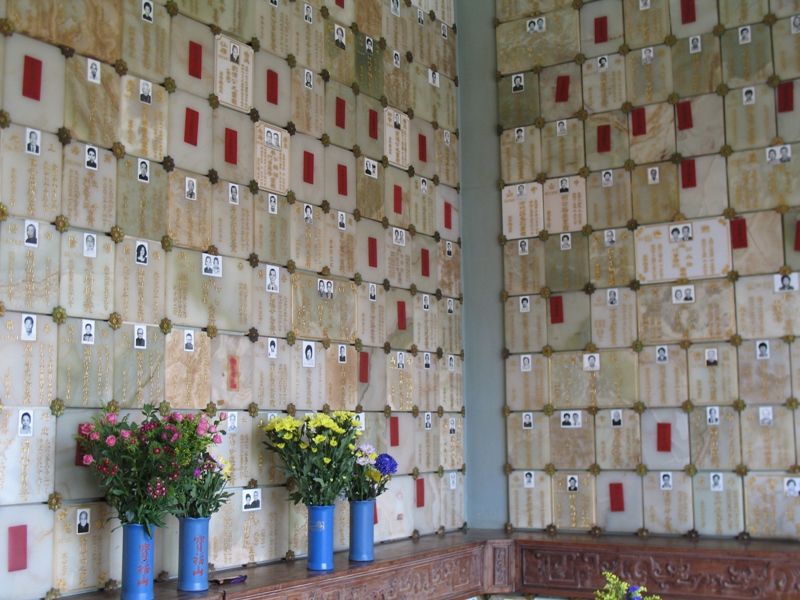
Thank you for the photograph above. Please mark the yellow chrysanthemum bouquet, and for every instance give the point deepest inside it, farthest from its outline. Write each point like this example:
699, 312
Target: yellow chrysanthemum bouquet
317, 453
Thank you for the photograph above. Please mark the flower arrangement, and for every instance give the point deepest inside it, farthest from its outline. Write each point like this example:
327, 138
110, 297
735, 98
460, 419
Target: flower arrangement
317, 452
616, 589
371, 473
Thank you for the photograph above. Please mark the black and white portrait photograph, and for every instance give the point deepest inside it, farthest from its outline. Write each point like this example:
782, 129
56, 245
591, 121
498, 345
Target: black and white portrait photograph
791, 485
451, 363
451, 426
140, 336
602, 64
342, 353
31, 235
338, 37
612, 297
373, 292
89, 245
765, 416
665, 481
609, 238
570, 418
251, 500
607, 178
777, 155
561, 128
616, 418
517, 83
662, 354
426, 302
371, 168
524, 304
591, 362
215, 262
145, 92
520, 190
340, 220
308, 354
28, 329
745, 36
188, 340
652, 175
190, 188
682, 294
428, 420
235, 53
450, 305
644, 4
272, 138
325, 289
712, 415
82, 523
272, 348
401, 360
273, 204
795, 24
525, 363
444, 31
233, 194
527, 420
748, 96
453, 478
647, 56
785, 283
147, 11
395, 7
90, 158
308, 14
33, 141
398, 236
396, 59
528, 479
572, 483
273, 2
25, 424
92, 70
420, 17
563, 185
448, 248
233, 422
566, 241
712, 358
519, 135
143, 170
423, 185
695, 44
308, 214
142, 253
426, 360
762, 349
308, 80
523, 247
715, 481
87, 332
369, 45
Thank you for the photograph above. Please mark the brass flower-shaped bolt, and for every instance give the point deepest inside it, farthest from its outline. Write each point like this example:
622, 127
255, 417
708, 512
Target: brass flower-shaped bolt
411, 171
545, 292
593, 409
387, 347
170, 85
506, 353
551, 529
589, 289
117, 234
630, 166
57, 407
118, 149
291, 267
587, 230
252, 335
791, 403
643, 532
326, 140
639, 407
385, 222
356, 88
624, 49
547, 351
595, 469
507, 469
164, 408
736, 340
687, 406
741, 470
584, 172
64, 136
506, 411
726, 151
637, 346
2, 308
7, 27
788, 339
722, 89
115, 320
252, 409
685, 344
415, 473
773, 81
580, 58
165, 326
785, 270
770, 19
718, 30
357, 279
54, 501
549, 409
743, 537
59, 315
3, 212
326, 342
213, 100
172, 8
739, 405
291, 338
439, 353
358, 344
690, 470
641, 470
550, 469
212, 331
386, 285
254, 115
670, 40
676, 158
211, 409
213, 176
253, 260
215, 29
596, 531
52, 594
692, 534
121, 67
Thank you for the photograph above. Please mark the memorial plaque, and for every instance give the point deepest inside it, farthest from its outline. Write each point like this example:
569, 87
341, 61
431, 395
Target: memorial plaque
668, 502
788, 123
371, 323
369, 133
36, 524
146, 39
232, 219
520, 154
369, 188
443, 49
667, 252
29, 250
757, 181
372, 379
763, 310
445, 108
423, 205
614, 513
426, 442
271, 379
31, 169
87, 275
618, 443
141, 205
760, 249
340, 171
298, 528
341, 377
614, 317
733, 13
452, 500
748, 55
450, 326
399, 391
450, 392
518, 100
567, 261
714, 438
565, 204
396, 137
308, 102
397, 198
525, 324
272, 88
33, 90
698, 18
27, 438
649, 75
655, 192
718, 505
397, 78
770, 509
340, 243
523, 44
395, 515
646, 23
231, 372
604, 83
709, 317
663, 375
527, 390
609, 205
271, 228
81, 551
528, 440
523, 210
272, 158
29, 347
369, 63
400, 315
451, 443
572, 446
91, 101
426, 380
190, 132
427, 507
768, 438
605, 379
665, 439
784, 8
143, 119
568, 323
573, 500
233, 143
73, 481
448, 222
188, 355
189, 210
425, 263
307, 42
308, 235
790, 236
696, 65
610, 258
139, 281
703, 186
228, 15
395, 435
704, 136
561, 95
340, 110
191, 56
273, 27
398, 257
138, 365
750, 117
307, 375
601, 28
562, 147
85, 362
529, 499
370, 16
606, 141
90, 193
371, 252
652, 132
323, 314
420, 29
233, 78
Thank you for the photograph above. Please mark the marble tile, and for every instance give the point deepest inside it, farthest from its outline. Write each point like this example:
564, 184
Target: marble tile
750, 126
232, 224
426, 442
191, 56
141, 207
187, 383
372, 392
39, 523
142, 125
523, 210
553, 106
761, 312
189, 140
612, 12
82, 560
575, 330
715, 446
746, 64
450, 328
709, 195
452, 514
273, 28
527, 390
768, 511
764, 247
668, 511
663, 383
665, 439
520, 108
704, 136
233, 144
369, 137
755, 185
89, 197
396, 72
517, 50
609, 206
429, 392
572, 447
600, 159
29, 366
421, 147
657, 142
231, 372
564, 211
306, 384
567, 262
91, 109
138, 373
652, 82
524, 273
146, 45
190, 220
340, 112
625, 514
87, 283
525, 331
271, 375
573, 510
719, 513
308, 238
451, 441
398, 259
30, 281
427, 507
792, 256
399, 393
611, 265
85, 371
369, 190
604, 90
733, 13
768, 446
370, 17
71, 480
340, 245
307, 40
788, 124
423, 205
645, 27
562, 155
705, 17
528, 447
27, 473
520, 154
341, 62
699, 72
425, 263
272, 310
371, 261
530, 507
614, 325
448, 215
450, 392
396, 510
316, 317
400, 319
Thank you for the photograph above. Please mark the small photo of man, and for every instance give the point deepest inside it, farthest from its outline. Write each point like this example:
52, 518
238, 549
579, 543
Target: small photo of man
273, 204
31, 233
25, 425
145, 92
616, 418
373, 292
712, 415
426, 302
652, 175
426, 360
91, 158
527, 420
144, 170
563, 185
188, 340
444, 31
233, 422
591, 362
524, 304
695, 44
716, 481
450, 306
762, 349
453, 481
795, 24
398, 236
342, 353
83, 524
785, 283
140, 337
519, 135
251, 500
308, 214
665, 481
610, 238
448, 248
338, 36
87, 331
748, 96
662, 354
233, 194
28, 330
92, 71
523, 247
528, 480
190, 189
308, 79
395, 7
307, 14
272, 348
369, 45
612, 297
561, 128
401, 360
428, 420
235, 53
89, 245
744, 35
647, 56
711, 357
451, 426
451, 363
33, 136
572, 483
765, 416
341, 223
396, 59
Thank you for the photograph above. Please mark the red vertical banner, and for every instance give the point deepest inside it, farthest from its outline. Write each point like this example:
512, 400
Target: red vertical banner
638, 122
231, 146
600, 30
556, 309
448, 215
797, 237
363, 367
562, 88
786, 97
32, 78
272, 86
398, 200
738, 233
664, 437
688, 174
341, 111
420, 492
394, 431
617, 495
233, 373
340, 3
191, 125
425, 261
401, 315
423, 148
195, 60
373, 252
684, 110
17, 548
688, 12
341, 176
373, 124
308, 167
604, 138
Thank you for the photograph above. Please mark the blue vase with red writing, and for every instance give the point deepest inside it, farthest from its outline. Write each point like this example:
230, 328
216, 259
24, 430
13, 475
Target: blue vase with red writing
193, 554
138, 546
320, 538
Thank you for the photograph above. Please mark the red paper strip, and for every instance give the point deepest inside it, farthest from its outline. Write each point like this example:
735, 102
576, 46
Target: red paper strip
341, 174
231, 146
17, 548
191, 125
738, 233
638, 121
600, 30
398, 200
233, 373
448, 215
617, 494
308, 167
688, 174
272, 86
394, 431
664, 437
688, 12
604, 138
32, 78
401, 315
420, 492
363, 367
340, 3
373, 252
341, 108
797, 237
786, 97
423, 148
373, 124
426, 264
562, 88
684, 110
556, 309
195, 60
375, 514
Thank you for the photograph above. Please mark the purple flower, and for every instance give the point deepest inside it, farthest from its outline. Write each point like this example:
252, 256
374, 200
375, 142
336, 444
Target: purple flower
386, 465
197, 473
